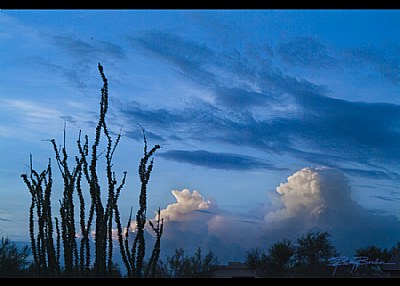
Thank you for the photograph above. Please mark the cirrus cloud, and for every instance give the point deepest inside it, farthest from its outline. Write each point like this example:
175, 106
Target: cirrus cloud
260, 105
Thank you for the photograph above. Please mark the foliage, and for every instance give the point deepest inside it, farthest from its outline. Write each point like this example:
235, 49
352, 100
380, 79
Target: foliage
102, 215
281, 257
181, 265
374, 253
278, 262
257, 259
308, 257
13, 261
312, 254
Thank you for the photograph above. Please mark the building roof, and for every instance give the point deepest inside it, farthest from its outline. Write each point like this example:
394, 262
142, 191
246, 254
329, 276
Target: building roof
233, 269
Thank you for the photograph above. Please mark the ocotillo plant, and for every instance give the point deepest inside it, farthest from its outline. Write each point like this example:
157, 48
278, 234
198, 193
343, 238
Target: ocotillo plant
78, 260
46, 257
155, 255
134, 258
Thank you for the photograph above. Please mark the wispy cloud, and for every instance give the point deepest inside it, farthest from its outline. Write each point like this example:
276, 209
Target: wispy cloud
137, 135
307, 52
240, 99
212, 160
68, 118
281, 113
84, 49
312, 53
387, 66
72, 55
84, 54
24, 119
388, 199
31, 111
373, 174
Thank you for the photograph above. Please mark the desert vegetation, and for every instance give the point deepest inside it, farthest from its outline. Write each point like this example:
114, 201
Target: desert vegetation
309, 256
55, 247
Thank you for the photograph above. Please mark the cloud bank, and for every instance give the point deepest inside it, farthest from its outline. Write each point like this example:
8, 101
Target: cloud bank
310, 199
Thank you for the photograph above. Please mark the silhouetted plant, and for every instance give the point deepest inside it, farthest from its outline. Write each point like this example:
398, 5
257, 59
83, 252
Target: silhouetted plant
278, 262
309, 257
134, 257
281, 258
257, 259
373, 254
13, 261
77, 260
313, 251
155, 255
197, 265
45, 256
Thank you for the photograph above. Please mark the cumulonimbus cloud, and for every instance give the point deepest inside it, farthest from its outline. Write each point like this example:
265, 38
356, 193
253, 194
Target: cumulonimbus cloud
320, 198
306, 196
310, 199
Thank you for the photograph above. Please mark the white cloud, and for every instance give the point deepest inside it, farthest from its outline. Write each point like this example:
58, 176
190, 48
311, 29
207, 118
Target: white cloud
25, 119
31, 111
312, 198
193, 221
320, 198
302, 198
28, 120
186, 205
189, 207
310, 194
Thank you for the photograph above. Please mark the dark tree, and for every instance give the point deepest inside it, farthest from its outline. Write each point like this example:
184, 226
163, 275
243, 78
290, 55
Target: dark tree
197, 265
13, 261
256, 259
374, 253
281, 258
278, 262
312, 254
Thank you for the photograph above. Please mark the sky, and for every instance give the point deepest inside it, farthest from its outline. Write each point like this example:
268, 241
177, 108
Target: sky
271, 123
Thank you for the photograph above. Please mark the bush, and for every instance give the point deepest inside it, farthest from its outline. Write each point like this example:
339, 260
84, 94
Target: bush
13, 261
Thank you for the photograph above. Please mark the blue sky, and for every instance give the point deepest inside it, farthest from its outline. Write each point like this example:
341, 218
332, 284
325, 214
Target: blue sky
282, 121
